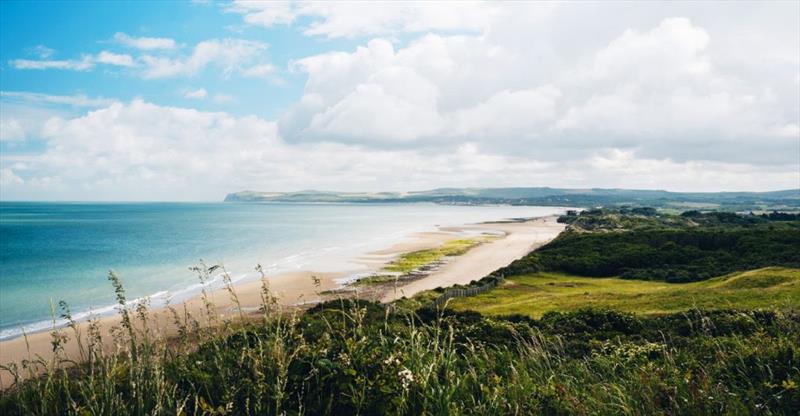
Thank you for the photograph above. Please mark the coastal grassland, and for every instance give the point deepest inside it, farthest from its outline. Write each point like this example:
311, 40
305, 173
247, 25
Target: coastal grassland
536, 294
563, 345
408, 262
357, 357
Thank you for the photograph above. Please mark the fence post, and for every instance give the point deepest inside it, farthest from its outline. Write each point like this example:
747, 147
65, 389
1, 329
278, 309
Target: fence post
458, 293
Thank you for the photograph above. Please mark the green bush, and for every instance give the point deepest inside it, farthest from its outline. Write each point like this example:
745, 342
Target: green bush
672, 254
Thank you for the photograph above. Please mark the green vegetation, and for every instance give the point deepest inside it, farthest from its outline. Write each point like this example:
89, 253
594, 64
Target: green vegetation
355, 357
536, 294
663, 247
546, 342
376, 279
409, 262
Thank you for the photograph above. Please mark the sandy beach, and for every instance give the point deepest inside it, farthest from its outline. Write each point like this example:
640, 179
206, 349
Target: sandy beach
518, 239
296, 289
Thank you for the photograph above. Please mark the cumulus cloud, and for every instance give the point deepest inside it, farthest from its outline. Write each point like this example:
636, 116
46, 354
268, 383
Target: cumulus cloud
110, 58
394, 104
24, 113
654, 91
265, 13
140, 150
673, 49
668, 95
144, 43
170, 148
517, 113
11, 130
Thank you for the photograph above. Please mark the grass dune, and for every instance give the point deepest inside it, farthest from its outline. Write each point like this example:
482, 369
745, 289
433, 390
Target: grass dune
409, 262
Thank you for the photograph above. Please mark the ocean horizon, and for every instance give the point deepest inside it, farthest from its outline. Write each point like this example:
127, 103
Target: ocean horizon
64, 251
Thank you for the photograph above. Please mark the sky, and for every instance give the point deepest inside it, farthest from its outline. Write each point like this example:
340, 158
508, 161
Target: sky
174, 101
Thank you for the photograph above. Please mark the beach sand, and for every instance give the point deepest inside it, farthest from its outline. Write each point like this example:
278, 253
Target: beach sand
297, 289
519, 239
290, 289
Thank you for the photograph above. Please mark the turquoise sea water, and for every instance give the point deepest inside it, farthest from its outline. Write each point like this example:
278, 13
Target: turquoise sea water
63, 251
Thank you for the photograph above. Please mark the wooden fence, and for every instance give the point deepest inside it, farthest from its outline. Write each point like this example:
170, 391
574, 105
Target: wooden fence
470, 291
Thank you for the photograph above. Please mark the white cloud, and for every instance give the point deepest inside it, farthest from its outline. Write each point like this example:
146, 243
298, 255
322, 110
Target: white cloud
659, 88
394, 104
655, 91
112, 152
231, 55
42, 52
243, 57
684, 96
11, 130
77, 100
84, 64
514, 113
8, 177
265, 13
791, 131
353, 18
673, 49
198, 94
139, 150
144, 43
110, 58
259, 71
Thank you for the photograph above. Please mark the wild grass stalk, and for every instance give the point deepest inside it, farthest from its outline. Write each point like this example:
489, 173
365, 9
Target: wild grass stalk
357, 357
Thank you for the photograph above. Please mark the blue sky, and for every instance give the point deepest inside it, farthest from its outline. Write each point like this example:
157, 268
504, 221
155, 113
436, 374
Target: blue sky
191, 100
71, 29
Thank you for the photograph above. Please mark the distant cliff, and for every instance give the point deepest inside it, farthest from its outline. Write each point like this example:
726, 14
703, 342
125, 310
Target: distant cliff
780, 200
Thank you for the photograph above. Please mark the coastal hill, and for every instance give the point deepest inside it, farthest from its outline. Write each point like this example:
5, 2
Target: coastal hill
774, 200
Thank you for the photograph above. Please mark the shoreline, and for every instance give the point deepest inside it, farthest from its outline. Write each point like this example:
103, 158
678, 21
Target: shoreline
519, 239
297, 289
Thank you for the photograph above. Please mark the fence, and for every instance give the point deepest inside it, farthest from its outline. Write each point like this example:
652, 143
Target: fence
470, 291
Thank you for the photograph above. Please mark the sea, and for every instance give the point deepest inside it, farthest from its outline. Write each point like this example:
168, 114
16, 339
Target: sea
51, 252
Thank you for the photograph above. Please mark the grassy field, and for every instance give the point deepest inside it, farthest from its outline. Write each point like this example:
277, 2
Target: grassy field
358, 357
535, 294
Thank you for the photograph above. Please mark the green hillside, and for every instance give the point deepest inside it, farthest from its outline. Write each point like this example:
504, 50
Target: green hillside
672, 248
536, 294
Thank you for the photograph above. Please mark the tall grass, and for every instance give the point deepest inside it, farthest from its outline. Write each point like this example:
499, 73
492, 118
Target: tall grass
356, 357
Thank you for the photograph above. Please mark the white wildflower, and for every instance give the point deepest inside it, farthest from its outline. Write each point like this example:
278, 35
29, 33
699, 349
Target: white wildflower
344, 358
392, 359
406, 378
